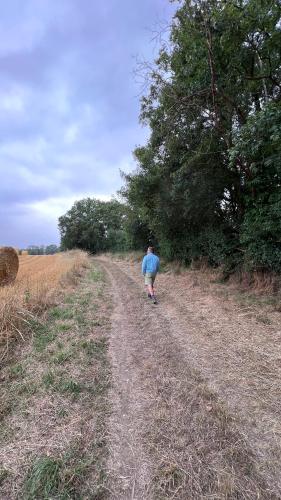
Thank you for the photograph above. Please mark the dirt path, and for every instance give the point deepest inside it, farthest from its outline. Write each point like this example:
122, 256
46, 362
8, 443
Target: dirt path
195, 394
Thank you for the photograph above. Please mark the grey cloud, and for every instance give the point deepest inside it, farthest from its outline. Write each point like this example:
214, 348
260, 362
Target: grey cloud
68, 104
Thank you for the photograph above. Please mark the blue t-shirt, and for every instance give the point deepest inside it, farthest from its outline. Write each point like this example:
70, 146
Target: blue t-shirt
150, 263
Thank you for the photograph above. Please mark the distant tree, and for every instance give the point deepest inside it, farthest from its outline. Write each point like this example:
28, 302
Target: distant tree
93, 225
34, 250
51, 249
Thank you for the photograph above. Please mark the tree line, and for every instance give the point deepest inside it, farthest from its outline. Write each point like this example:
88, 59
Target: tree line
41, 249
207, 182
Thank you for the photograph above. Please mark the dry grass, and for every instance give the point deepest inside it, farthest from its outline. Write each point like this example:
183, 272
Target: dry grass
132, 256
39, 281
53, 400
231, 339
177, 436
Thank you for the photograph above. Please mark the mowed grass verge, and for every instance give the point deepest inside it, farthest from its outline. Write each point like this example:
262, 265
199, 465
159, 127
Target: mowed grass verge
54, 404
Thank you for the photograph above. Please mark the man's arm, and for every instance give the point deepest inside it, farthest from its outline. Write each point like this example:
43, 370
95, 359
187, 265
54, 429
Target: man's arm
143, 267
158, 264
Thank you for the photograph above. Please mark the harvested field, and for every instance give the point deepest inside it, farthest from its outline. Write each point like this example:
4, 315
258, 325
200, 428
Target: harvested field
37, 284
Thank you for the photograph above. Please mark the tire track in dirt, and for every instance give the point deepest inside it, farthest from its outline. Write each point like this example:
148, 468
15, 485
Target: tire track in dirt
170, 436
235, 353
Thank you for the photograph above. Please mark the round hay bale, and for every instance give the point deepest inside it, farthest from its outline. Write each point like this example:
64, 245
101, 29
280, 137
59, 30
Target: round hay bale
9, 265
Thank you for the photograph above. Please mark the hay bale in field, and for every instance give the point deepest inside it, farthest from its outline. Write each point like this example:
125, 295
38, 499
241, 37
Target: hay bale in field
9, 265
24, 252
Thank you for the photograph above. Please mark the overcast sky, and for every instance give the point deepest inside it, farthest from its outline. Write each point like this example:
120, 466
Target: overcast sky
69, 105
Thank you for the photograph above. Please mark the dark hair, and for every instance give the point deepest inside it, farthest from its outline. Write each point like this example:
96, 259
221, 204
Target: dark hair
151, 249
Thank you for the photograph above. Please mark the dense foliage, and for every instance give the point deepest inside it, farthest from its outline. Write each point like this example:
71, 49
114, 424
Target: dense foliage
208, 180
94, 225
207, 183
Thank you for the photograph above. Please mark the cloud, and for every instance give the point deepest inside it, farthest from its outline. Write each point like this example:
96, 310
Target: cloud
68, 106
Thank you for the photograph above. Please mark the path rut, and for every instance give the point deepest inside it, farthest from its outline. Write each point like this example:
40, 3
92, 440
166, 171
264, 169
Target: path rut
171, 433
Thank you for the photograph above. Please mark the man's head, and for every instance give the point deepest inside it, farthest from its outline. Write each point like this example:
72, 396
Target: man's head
150, 250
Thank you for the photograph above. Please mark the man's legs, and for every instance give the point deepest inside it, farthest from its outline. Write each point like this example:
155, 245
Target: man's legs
153, 290
149, 282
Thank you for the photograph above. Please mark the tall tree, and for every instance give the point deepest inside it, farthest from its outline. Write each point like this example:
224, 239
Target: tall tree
222, 66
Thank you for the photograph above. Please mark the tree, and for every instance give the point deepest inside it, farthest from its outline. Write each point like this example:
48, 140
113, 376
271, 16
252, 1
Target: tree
93, 225
222, 66
258, 147
51, 249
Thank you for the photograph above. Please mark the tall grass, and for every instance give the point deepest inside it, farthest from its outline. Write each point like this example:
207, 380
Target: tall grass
38, 284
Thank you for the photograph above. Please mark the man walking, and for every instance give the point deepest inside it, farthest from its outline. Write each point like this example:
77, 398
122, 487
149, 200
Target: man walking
150, 267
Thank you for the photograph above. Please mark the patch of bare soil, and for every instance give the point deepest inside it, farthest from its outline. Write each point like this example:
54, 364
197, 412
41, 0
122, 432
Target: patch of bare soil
195, 392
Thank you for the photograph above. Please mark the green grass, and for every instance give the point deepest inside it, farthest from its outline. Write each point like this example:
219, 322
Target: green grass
63, 361
69, 386
62, 357
58, 382
85, 299
43, 480
96, 275
16, 371
48, 379
63, 327
42, 335
61, 313
94, 348
61, 478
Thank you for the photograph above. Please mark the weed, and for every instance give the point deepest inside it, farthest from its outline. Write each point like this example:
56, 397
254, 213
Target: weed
60, 384
78, 472
43, 480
